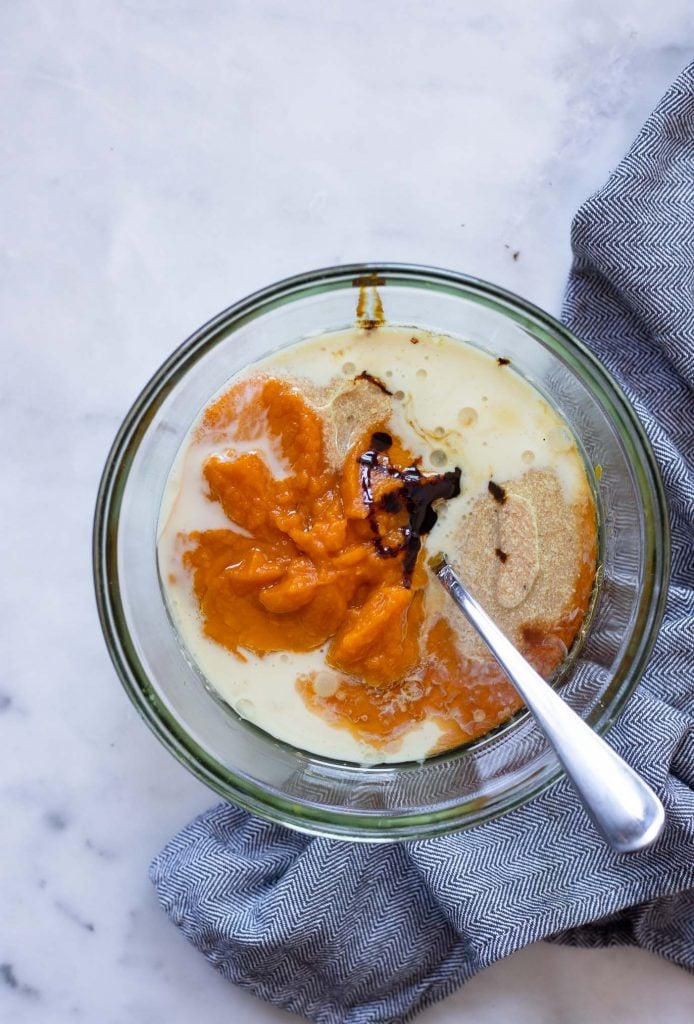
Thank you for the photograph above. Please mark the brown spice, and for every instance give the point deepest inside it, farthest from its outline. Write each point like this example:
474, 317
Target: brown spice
564, 537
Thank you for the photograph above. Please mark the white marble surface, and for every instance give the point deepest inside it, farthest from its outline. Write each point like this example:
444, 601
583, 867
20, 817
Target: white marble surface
161, 159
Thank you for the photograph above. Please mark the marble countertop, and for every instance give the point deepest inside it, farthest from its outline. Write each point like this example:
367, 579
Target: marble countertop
161, 160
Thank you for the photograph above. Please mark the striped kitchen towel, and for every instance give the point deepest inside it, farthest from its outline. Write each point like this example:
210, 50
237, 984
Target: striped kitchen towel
366, 933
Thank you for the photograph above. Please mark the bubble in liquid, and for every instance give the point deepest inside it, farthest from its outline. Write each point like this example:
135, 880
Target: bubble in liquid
560, 440
326, 684
467, 417
422, 372
438, 457
246, 708
528, 457
349, 369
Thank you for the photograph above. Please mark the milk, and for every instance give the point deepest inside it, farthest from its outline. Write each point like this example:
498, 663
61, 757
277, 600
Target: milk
453, 405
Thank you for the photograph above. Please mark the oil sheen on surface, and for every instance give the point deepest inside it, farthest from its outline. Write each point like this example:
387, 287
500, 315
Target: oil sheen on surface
294, 531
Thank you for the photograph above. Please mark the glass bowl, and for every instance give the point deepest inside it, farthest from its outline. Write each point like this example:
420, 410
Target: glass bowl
457, 789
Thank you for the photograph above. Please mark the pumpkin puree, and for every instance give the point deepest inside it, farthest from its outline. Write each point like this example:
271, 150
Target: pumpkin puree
298, 569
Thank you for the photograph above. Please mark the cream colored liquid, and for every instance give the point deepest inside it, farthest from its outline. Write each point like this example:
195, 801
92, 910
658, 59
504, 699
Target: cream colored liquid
453, 405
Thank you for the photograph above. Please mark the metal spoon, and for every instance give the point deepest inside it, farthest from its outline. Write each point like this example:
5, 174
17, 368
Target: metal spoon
623, 807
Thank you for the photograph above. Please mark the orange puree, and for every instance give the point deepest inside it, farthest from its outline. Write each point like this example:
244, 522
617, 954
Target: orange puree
298, 568
305, 571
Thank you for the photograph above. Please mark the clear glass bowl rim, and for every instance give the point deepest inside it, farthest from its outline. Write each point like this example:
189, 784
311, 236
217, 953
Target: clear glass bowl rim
347, 824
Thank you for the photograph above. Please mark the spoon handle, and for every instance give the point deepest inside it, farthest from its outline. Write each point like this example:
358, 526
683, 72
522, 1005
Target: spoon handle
623, 807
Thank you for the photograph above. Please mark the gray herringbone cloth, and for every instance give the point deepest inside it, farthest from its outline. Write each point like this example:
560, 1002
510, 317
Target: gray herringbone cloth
340, 932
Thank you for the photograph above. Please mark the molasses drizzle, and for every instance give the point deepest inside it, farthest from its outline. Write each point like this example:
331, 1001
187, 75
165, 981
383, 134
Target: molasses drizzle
415, 495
